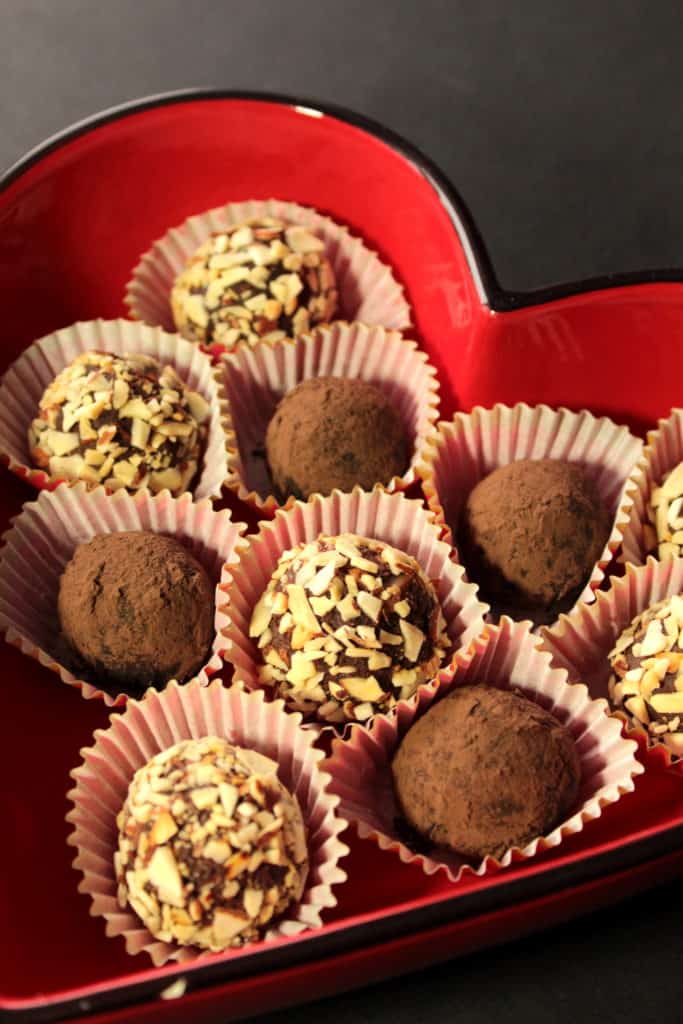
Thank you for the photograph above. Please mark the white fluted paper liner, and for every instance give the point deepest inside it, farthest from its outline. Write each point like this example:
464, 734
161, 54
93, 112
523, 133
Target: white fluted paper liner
506, 656
401, 522
44, 536
160, 720
464, 450
580, 642
368, 290
257, 377
663, 452
25, 381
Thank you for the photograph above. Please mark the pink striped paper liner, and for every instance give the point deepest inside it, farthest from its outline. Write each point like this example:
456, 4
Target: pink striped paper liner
160, 720
580, 642
44, 536
506, 656
24, 382
256, 378
368, 290
392, 518
663, 452
464, 450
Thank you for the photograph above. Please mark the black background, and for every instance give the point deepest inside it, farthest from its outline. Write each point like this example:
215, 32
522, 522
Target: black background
561, 124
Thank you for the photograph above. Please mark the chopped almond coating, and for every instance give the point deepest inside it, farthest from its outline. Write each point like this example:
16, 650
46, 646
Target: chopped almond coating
264, 278
665, 512
124, 421
347, 627
212, 847
647, 672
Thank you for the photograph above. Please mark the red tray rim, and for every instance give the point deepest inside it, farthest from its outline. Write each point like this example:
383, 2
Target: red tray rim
490, 291
534, 879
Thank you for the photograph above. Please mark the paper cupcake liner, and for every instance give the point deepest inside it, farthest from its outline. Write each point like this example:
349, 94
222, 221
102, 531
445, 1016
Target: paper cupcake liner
159, 721
25, 381
580, 642
44, 536
662, 453
392, 518
256, 379
506, 656
368, 290
467, 448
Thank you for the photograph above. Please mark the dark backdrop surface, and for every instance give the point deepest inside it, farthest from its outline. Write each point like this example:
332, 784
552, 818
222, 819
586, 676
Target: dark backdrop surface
560, 123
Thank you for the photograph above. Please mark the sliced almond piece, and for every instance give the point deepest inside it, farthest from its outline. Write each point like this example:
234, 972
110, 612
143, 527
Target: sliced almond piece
226, 925
261, 616
413, 638
164, 875
301, 609
228, 795
163, 828
204, 797
363, 689
300, 240
667, 703
369, 605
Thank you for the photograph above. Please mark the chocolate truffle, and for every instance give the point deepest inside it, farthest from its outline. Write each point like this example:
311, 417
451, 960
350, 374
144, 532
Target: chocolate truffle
484, 770
260, 279
647, 672
530, 534
332, 432
665, 511
124, 421
212, 847
138, 609
347, 627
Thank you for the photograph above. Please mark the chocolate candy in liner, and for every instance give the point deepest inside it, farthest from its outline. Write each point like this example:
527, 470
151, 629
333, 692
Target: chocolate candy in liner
124, 421
212, 847
485, 770
334, 432
347, 627
262, 279
646, 682
136, 609
530, 534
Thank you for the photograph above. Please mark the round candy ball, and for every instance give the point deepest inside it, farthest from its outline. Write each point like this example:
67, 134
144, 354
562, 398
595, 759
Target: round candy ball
646, 681
347, 627
484, 770
334, 432
138, 609
212, 847
530, 534
264, 278
124, 421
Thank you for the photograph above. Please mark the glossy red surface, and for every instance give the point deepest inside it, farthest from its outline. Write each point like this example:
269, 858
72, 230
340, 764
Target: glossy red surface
71, 228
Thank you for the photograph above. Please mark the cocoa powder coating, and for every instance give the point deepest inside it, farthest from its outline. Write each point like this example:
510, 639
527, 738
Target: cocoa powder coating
138, 609
484, 770
334, 432
530, 534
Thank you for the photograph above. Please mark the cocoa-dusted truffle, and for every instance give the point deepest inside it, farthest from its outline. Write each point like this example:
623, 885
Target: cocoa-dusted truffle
647, 672
124, 421
348, 626
212, 847
530, 534
484, 770
138, 609
264, 278
332, 432
665, 512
